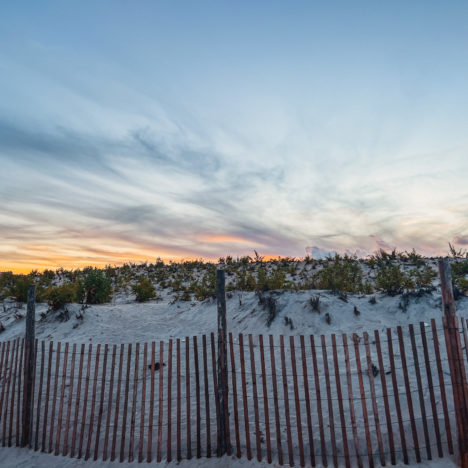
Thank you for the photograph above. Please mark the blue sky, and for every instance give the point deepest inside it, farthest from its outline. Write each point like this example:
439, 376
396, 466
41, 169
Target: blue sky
130, 130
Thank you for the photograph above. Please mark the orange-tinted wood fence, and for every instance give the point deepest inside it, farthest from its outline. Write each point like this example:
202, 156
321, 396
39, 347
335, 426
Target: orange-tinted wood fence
342, 400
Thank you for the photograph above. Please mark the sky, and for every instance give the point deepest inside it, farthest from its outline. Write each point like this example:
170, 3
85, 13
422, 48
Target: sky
136, 130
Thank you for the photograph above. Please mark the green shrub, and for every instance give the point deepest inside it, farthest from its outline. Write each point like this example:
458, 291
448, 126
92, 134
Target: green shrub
423, 278
340, 274
270, 281
462, 284
58, 296
19, 287
392, 280
144, 290
94, 287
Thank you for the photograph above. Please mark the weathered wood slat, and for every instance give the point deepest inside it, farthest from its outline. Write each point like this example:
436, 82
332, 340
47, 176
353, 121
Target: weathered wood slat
255, 399
319, 402
375, 409
286, 402
396, 395
70, 399
161, 395
435, 417
109, 405
151, 407
244, 397
101, 402
307, 400
188, 417
340, 402
383, 382
39, 397
296, 401
77, 401
131, 446
125, 406
62, 396
234, 396
420, 392
275, 399
207, 398
117, 404
265, 399
93, 403
408, 393
329, 400
169, 402
197, 396
85, 401
143, 403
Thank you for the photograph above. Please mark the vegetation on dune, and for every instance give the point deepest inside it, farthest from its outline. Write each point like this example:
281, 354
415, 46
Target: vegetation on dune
144, 290
388, 272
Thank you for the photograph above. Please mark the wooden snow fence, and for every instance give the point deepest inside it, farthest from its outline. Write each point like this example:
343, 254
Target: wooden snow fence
340, 400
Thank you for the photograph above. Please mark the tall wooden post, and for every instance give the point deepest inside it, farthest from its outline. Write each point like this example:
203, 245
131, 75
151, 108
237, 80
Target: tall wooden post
456, 362
29, 363
222, 390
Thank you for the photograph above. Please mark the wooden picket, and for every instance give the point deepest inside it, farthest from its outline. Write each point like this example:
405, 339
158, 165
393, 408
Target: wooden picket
94, 401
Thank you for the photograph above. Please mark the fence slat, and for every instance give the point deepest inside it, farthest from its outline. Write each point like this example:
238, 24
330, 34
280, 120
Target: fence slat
39, 397
383, 382
275, 399
265, 399
85, 400
408, 393
62, 396
109, 405
435, 416
101, 402
134, 403
443, 397
188, 418
420, 392
18, 394
286, 402
160, 409
374, 401
396, 396
143, 402
54, 397
117, 404
77, 402
207, 399
330, 403
244, 397
363, 400
215, 388
93, 403
46, 409
151, 408
340, 401
179, 453
255, 399
5, 414
351, 399
4, 384
307, 401
319, 401
169, 402
33, 391
69, 403
125, 407
296, 401
197, 396
234, 396
13, 394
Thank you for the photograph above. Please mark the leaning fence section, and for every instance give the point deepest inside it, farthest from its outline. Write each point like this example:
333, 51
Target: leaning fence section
344, 400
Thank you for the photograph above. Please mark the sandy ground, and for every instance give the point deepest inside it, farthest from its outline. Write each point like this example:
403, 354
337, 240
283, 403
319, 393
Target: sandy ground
23, 458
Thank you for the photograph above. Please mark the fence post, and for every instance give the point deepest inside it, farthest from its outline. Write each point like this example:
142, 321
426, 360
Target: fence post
222, 390
456, 363
29, 363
